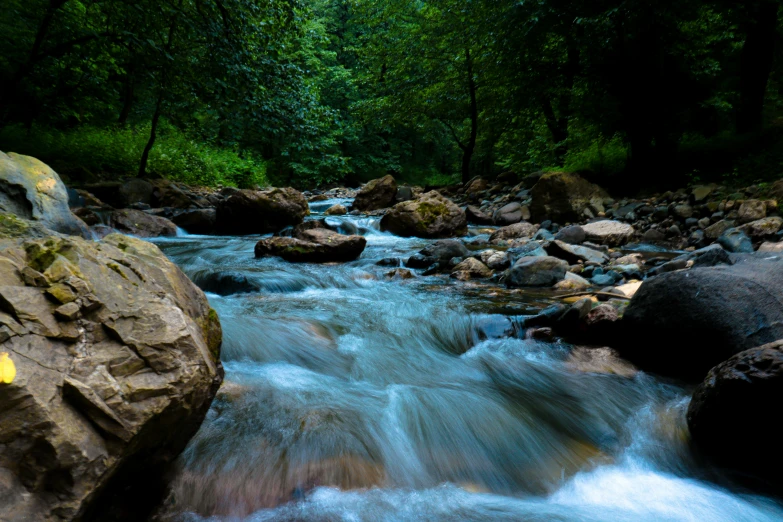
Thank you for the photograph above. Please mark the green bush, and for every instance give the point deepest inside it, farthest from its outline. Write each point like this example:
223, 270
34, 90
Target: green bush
91, 154
603, 157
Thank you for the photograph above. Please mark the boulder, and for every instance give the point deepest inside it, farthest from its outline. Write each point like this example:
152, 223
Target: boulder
336, 210
762, 228
716, 230
167, 194
495, 259
736, 241
430, 215
141, 224
31, 190
471, 268
476, 185
729, 416
751, 210
683, 323
563, 197
769, 247
117, 359
510, 214
376, 194
197, 220
516, 231
574, 254
260, 212
476, 216
612, 233
536, 271
314, 245
438, 253
572, 234
136, 190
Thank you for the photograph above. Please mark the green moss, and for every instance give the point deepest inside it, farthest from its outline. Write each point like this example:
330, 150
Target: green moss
116, 268
40, 256
214, 334
12, 226
430, 212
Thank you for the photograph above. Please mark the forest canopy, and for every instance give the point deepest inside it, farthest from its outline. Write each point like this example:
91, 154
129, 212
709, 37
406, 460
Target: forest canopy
249, 92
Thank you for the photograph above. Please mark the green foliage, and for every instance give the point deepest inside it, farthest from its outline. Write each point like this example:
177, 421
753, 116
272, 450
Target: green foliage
602, 157
88, 153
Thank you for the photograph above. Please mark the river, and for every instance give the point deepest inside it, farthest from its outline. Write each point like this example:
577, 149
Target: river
349, 396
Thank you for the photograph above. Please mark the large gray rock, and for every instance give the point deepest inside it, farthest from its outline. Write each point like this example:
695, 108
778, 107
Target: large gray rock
376, 194
574, 253
260, 211
117, 362
430, 216
510, 214
515, 231
563, 197
141, 224
733, 413
684, 323
31, 190
312, 245
196, 220
536, 271
612, 233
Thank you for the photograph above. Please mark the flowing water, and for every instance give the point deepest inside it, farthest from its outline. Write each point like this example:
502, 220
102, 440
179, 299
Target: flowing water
352, 396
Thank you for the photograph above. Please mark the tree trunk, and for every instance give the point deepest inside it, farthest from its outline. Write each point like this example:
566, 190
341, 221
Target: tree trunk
758, 53
467, 150
127, 98
153, 135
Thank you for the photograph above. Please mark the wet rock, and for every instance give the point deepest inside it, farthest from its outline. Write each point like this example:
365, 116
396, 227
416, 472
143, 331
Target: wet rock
226, 283
729, 416
476, 216
771, 247
510, 214
574, 253
653, 236
135, 190
196, 221
476, 185
443, 250
31, 190
260, 212
536, 271
612, 233
599, 360
572, 283
495, 259
314, 245
515, 231
712, 255
572, 234
716, 230
736, 241
141, 224
399, 273
404, 194
471, 268
376, 194
684, 323
430, 216
336, 210
167, 194
762, 228
563, 197
109, 386
751, 210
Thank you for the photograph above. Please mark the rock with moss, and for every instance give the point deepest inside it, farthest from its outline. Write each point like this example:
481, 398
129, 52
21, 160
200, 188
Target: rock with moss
260, 211
376, 194
429, 216
117, 362
565, 197
312, 245
141, 224
33, 191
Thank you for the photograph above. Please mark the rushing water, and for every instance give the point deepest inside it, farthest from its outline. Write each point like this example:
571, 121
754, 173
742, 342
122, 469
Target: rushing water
352, 396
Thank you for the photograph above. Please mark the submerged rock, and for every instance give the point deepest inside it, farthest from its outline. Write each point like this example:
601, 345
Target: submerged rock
259, 212
33, 191
336, 210
429, 215
471, 268
729, 416
376, 194
117, 362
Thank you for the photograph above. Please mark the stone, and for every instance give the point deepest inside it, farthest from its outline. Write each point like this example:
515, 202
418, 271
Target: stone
771, 247
197, 220
762, 228
476, 185
315, 245
471, 268
404, 194
536, 271
683, 323
141, 224
399, 273
716, 230
736, 241
336, 210
515, 231
32, 191
612, 233
572, 283
476, 216
430, 215
683, 211
729, 416
260, 212
751, 210
563, 197
136, 190
701, 192
572, 234
574, 253
495, 259
167, 194
510, 214
653, 236
102, 405
376, 194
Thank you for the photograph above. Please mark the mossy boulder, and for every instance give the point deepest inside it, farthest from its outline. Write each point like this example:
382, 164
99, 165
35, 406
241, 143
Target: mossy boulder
33, 191
260, 211
117, 362
429, 216
312, 245
564, 197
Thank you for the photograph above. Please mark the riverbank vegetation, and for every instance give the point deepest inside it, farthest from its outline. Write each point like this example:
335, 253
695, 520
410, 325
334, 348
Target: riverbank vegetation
245, 93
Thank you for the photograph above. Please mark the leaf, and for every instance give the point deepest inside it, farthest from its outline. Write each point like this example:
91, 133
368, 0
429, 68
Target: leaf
7, 368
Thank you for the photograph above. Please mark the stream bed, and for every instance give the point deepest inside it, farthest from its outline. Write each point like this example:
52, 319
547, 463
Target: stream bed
350, 396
